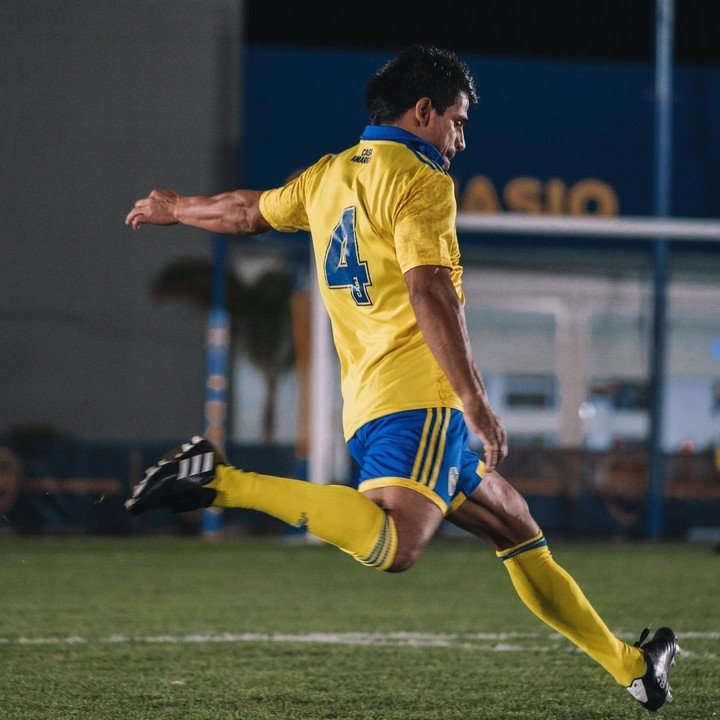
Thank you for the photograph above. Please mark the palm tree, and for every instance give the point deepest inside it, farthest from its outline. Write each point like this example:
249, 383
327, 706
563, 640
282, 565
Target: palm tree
268, 336
260, 318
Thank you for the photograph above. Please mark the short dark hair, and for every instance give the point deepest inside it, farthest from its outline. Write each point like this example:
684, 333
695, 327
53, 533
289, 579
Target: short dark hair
417, 71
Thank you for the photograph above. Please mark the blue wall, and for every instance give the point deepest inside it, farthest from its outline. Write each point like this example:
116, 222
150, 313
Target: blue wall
67, 486
538, 119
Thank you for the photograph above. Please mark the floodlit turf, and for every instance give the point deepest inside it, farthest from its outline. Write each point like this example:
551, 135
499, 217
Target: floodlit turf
181, 628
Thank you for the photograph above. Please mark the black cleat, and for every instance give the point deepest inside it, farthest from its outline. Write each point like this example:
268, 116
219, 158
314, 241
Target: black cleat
652, 690
177, 481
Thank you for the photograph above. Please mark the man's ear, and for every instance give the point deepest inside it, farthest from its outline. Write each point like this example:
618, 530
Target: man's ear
423, 108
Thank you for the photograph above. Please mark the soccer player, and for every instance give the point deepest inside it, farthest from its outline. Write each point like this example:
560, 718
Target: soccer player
382, 218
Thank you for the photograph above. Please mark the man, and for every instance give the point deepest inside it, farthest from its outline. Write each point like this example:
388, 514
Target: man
382, 218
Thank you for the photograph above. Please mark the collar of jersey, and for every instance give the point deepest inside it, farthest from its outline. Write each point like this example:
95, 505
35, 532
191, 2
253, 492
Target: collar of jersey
396, 134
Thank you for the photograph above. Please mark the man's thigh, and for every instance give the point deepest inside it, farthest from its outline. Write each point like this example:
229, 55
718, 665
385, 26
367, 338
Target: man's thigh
496, 512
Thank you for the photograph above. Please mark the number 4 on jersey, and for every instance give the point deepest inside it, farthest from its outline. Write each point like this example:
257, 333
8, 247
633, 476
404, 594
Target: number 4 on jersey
343, 267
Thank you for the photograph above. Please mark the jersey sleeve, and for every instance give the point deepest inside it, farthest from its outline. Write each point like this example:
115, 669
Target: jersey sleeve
424, 228
285, 207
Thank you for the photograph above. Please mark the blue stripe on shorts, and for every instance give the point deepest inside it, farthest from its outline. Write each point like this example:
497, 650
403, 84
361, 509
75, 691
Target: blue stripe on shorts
429, 447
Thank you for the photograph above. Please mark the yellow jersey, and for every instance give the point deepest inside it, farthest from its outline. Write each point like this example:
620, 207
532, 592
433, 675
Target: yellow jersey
375, 211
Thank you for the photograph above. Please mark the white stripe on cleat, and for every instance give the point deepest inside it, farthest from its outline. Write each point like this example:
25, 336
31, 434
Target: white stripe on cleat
207, 462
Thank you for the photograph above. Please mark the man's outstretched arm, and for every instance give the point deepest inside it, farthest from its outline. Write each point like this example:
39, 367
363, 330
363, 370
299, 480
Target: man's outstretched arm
231, 213
441, 318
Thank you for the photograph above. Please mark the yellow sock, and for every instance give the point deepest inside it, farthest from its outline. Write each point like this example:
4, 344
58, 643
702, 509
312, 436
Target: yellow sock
552, 594
337, 514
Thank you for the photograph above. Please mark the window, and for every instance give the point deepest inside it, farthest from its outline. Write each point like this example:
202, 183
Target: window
623, 394
531, 392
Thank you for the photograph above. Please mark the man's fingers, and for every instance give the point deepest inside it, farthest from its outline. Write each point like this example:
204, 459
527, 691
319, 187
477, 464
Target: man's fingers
496, 450
490, 462
155, 209
491, 457
492, 435
503, 450
136, 217
501, 440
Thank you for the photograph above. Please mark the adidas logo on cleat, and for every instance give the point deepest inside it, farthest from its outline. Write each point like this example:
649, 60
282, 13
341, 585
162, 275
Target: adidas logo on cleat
195, 465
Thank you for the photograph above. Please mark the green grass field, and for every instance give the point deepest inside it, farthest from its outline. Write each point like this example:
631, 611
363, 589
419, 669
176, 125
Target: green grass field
256, 628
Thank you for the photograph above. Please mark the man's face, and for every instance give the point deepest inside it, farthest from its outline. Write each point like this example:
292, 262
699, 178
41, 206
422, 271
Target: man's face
445, 131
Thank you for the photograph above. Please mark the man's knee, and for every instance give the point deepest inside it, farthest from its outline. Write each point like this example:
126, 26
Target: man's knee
406, 556
416, 520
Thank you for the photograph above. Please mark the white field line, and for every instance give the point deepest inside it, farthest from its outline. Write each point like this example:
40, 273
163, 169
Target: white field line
494, 642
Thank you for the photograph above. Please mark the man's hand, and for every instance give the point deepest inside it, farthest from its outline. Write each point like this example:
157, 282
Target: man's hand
158, 208
489, 428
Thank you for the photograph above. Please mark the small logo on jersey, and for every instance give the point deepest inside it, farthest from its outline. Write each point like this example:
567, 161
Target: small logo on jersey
453, 475
363, 157
302, 521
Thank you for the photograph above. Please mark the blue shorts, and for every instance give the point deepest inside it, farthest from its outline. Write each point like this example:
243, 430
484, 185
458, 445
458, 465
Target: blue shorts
425, 450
